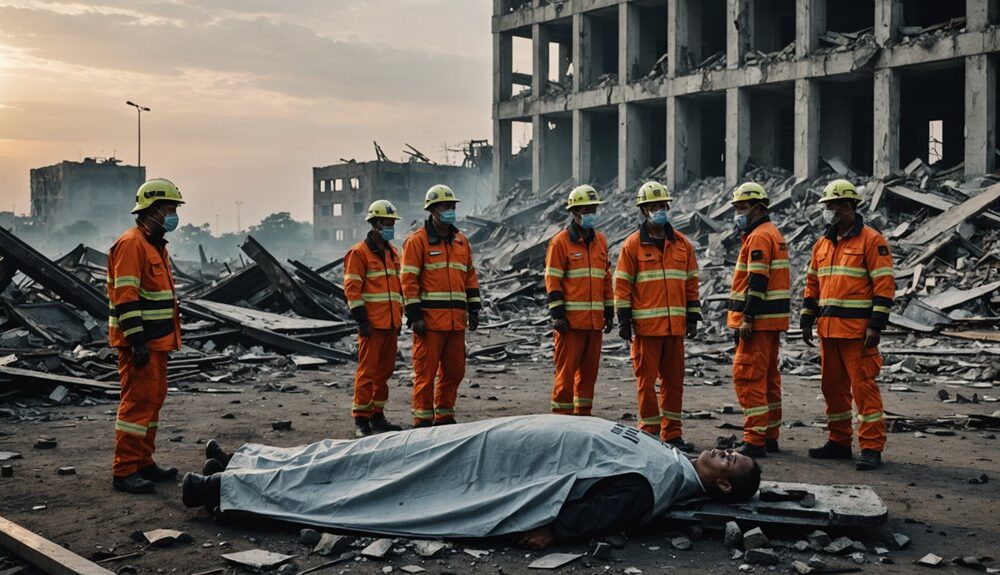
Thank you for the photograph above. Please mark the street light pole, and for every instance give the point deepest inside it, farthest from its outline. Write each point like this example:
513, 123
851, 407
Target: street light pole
239, 226
139, 109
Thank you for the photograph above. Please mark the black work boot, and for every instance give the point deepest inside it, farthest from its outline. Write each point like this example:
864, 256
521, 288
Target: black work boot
870, 459
679, 443
772, 446
380, 424
156, 473
212, 466
214, 451
832, 450
133, 483
750, 450
422, 423
201, 491
362, 427
446, 421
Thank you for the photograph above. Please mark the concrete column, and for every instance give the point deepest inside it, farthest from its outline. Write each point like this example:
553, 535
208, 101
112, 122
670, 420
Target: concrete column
502, 144
737, 134
980, 115
979, 14
581, 52
888, 19
539, 60
538, 130
678, 151
807, 125
581, 147
739, 32
886, 123
633, 143
810, 22
628, 42
677, 37
503, 66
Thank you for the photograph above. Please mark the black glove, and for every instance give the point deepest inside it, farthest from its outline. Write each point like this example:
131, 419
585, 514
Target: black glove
609, 320
365, 329
625, 331
140, 355
473, 321
419, 327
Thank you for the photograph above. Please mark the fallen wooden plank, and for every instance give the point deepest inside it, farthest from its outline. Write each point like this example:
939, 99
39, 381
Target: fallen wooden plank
62, 283
956, 297
264, 320
955, 215
290, 289
974, 335
18, 374
47, 556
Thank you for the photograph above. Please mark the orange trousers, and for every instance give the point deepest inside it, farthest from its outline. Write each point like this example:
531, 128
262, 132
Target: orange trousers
758, 386
577, 357
849, 370
143, 391
376, 361
663, 357
441, 355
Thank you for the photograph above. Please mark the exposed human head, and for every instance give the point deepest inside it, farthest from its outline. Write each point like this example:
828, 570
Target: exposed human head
727, 475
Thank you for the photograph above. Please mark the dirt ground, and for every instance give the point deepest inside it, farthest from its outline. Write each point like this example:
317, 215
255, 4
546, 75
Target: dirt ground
925, 481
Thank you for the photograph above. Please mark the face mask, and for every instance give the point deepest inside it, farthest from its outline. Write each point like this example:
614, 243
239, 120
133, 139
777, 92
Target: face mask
447, 216
170, 222
658, 217
587, 221
830, 217
388, 234
741, 222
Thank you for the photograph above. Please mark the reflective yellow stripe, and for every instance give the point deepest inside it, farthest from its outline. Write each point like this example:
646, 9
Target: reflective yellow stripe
444, 411
658, 312
134, 330
750, 412
556, 303
382, 297
555, 272
585, 272
579, 401
756, 294
411, 300
422, 413
355, 303
779, 264
442, 265
852, 303
156, 295
126, 281
694, 310
623, 304
771, 315
557, 405
381, 273
364, 407
153, 424
881, 309
671, 415
662, 274
870, 417
771, 295
692, 274
584, 306
751, 268
842, 271
442, 296
842, 416
410, 270
624, 276
354, 277
879, 272
759, 428
130, 428
650, 420
129, 315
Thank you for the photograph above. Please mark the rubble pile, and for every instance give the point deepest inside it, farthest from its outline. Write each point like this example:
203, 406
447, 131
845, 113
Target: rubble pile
944, 235
261, 320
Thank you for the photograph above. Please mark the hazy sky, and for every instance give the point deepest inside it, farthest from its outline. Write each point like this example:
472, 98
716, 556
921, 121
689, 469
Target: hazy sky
247, 96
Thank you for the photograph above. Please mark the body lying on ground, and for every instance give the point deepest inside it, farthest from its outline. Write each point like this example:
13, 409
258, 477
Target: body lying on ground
546, 477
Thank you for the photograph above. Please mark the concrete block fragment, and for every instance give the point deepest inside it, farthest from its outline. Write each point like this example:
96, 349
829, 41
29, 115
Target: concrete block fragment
754, 539
66, 471
734, 536
819, 538
378, 549
6, 471
762, 556
839, 545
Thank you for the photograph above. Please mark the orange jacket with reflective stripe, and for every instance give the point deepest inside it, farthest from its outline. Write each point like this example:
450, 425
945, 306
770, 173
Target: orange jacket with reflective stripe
141, 297
578, 279
761, 283
439, 280
656, 283
849, 283
371, 285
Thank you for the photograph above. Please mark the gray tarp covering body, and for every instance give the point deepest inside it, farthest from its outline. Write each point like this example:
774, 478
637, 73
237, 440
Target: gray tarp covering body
480, 479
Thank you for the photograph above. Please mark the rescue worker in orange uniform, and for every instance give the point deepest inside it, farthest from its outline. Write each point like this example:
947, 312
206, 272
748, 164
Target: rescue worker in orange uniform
758, 312
581, 302
375, 298
656, 296
144, 326
849, 287
441, 297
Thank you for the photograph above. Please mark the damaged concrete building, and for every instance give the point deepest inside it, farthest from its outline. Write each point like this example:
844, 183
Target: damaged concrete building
342, 193
708, 87
96, 190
